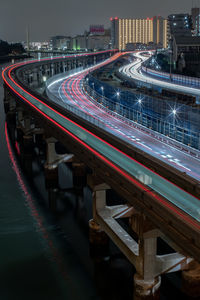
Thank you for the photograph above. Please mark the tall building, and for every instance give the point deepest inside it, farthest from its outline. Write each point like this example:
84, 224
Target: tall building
180, 24
194, 13
144, 31
197, 26
60, 42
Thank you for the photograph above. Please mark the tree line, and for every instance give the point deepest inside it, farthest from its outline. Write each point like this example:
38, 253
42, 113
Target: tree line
12, 48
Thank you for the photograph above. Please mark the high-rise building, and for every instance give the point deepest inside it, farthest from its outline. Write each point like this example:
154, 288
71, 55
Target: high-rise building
60, 42
194, 13
144, 31
180, 24
197, 26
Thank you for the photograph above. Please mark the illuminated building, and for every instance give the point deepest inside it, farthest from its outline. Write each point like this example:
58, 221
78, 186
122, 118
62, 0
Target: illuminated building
195, 11
144, 31
180, 24
60, 42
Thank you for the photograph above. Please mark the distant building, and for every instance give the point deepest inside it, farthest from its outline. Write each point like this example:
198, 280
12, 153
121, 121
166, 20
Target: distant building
79, 42
187, 49
194, 13
126, 31
60, 42
97, 30
92, 41
98, 42
197, 26
39, 45
180, 24
185, 45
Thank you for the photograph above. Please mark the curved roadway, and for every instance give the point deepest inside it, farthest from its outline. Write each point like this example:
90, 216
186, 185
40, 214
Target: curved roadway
167, 198
70, 90
133, 70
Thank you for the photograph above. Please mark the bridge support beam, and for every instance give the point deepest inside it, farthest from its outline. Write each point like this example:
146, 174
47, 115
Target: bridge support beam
191, 280
141, 250
51, 166
99, 241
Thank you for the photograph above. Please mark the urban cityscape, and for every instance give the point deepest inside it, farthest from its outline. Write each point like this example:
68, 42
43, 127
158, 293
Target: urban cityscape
100, 150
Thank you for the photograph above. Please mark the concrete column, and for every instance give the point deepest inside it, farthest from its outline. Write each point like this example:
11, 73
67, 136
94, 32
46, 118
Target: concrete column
39, 141
52, 197
19, 134
11, 118
191, 281
146, 284
79, 175
51, 176
6, 106
52, 70
99, 241
35, 78
26, 153
51, 169
9, 101
27, 124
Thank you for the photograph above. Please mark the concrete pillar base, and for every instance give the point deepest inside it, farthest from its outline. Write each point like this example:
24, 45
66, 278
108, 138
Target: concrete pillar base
146, 290
191, 281
99, 241
51, 176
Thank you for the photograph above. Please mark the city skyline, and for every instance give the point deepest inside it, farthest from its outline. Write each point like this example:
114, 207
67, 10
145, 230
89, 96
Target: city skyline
46, 18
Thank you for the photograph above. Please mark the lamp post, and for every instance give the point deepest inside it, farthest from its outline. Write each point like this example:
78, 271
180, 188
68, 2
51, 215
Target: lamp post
170, 59
140, 106
102, 89
174, 121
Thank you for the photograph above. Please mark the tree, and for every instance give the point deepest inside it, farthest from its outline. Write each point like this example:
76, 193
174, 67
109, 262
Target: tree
4, 48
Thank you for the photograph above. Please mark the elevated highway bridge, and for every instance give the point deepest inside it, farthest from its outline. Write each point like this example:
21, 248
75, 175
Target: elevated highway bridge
156, 206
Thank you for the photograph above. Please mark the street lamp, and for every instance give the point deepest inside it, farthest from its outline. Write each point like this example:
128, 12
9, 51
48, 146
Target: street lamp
93, 88
174, 111
140, 109
170, 59
102, 88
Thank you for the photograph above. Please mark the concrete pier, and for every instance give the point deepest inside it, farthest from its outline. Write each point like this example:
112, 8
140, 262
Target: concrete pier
79, 175
191, 280
146, 290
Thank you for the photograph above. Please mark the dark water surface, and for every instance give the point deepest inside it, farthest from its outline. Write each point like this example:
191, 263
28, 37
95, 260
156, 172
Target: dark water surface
37, 259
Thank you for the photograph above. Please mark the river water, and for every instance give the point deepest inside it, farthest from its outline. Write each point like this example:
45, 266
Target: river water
45, 255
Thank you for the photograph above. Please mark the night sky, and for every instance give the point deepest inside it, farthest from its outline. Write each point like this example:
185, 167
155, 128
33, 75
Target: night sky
70, 17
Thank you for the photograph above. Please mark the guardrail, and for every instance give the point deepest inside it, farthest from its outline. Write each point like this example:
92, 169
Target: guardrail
175, 78
136, 113
138, 118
